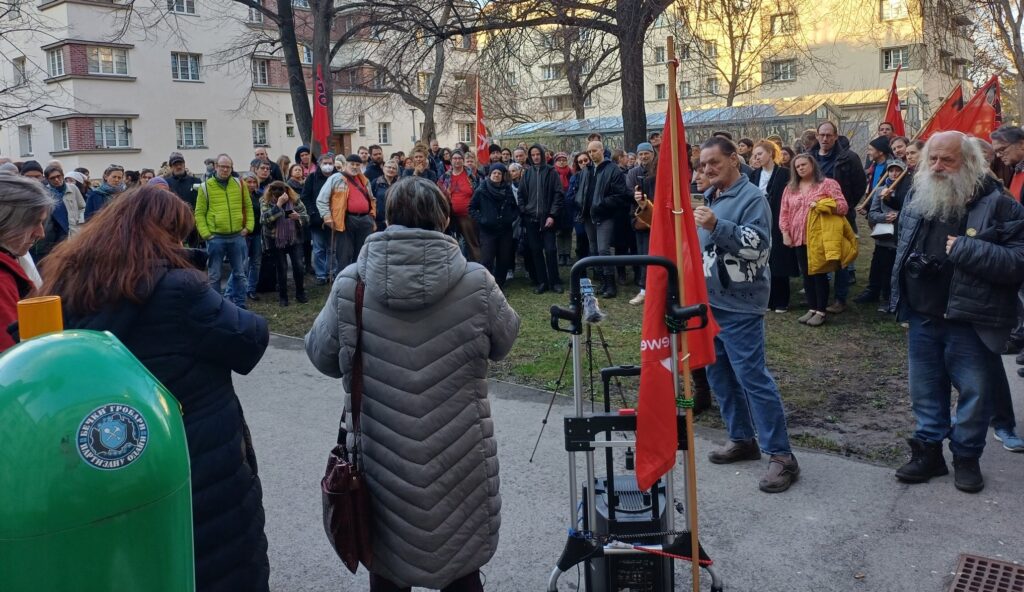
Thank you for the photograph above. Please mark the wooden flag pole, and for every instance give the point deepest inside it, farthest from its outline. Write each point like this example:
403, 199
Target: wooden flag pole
677, 213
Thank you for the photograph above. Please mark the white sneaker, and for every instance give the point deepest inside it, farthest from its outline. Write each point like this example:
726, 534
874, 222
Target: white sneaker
511, 275
638, 299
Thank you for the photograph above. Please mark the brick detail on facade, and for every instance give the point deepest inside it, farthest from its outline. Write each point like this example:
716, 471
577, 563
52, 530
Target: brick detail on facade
277, 74
76, 59
81, 134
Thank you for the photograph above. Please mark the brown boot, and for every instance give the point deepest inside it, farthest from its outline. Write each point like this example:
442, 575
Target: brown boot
736, 451
783, 471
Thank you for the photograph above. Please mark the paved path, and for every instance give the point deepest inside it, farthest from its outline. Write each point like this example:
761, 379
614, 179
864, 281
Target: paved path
845, 525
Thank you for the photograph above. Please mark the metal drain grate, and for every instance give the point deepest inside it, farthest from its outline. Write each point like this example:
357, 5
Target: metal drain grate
981, 574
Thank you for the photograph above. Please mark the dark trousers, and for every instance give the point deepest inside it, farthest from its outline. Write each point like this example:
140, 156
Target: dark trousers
466, 228
497, 253
643, 246
816, 286
779, 295
467, 583
282, 255
542, 249
346, 245
601, 236
880, 276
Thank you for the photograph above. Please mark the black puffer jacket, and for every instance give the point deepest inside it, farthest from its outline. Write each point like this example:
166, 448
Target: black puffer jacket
310, 191
540, 190
989, 263
184, 187
494, 207
192, 339
602, 190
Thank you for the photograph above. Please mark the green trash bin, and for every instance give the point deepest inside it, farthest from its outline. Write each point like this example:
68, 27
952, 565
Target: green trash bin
96, 493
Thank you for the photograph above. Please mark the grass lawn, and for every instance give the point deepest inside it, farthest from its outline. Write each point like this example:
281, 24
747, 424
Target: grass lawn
844, 384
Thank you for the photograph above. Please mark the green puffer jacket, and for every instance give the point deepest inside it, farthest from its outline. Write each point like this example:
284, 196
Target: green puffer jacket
223, 210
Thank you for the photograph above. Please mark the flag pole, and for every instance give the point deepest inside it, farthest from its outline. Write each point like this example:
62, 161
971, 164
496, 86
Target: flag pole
677, 212
937, 109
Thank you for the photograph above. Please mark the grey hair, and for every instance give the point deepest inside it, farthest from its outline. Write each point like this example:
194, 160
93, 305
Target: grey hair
22, 201
515, 166
415, 202
945, 196
1008, 134
246, 175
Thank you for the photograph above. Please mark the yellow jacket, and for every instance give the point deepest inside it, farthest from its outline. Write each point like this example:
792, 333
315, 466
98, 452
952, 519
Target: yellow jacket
831, 242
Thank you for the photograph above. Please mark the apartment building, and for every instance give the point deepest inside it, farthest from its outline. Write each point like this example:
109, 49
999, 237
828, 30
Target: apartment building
128, 87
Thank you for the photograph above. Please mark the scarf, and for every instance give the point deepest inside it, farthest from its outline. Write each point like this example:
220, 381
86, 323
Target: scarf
285, 228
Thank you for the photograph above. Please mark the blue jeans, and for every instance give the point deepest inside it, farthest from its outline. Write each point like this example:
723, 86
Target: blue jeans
321, 238
944, 354
842, 278
255, 244
234, 250
745, 390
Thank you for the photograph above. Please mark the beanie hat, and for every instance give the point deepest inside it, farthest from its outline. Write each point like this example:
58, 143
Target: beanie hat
493, 148
31, 165
498, 166
175, 157
354, 158
881, 143
158, 181
300, 150
561, 155
896, 164
76, 176
9, 167
644, 147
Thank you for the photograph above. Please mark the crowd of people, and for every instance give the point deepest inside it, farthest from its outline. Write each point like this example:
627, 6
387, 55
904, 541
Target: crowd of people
948, 261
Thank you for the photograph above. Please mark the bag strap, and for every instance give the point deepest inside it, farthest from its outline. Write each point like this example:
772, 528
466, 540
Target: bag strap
357, 370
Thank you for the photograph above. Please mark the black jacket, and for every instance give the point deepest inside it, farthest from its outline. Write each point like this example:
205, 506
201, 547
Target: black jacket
184, 187
540, 190
849, 173
379, 187
988, 266
373, 170
310, 191
604, 187
429, 174
494, 207
191, 339
782, 259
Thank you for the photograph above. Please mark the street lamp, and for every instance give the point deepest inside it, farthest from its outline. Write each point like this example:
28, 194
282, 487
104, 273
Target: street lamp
413, 113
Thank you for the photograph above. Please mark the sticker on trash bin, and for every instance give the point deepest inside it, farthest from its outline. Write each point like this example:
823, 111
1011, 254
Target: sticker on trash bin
112, 437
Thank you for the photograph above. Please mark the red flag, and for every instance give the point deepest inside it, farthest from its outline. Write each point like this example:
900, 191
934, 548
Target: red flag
945, 115
482, 146
983, 114
656, 432
321, 122
893, 114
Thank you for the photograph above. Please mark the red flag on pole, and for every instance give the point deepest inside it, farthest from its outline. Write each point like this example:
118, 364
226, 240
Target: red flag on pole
321, 122
893, 114
656, 432
945, 115
983, 114
482, 146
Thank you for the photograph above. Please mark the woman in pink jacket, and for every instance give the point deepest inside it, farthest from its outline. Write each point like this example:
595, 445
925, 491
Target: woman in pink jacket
806, 186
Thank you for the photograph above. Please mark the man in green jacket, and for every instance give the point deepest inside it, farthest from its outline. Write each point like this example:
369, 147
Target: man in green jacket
224, 217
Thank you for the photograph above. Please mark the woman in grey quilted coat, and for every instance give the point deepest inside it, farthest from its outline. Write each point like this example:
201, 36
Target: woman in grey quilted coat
431, 322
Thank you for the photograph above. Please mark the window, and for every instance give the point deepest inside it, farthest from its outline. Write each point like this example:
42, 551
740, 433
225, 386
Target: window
55, 62
557, 103
685, 88
512, 78
300, 3
255, 14
191, 134
659, 55
20, 76
684, 51
361, 124
182, 6
108, 60
184, 66
660, 92
467, 133
551, 72
712, 86
289, 125
112, 133
895, 57
784, 71
383, 133
305, 54
588, 101
61, 135
25, 140
426, 79
783, 24
261, 73
259, 133
894, 9
465, 42
711, 49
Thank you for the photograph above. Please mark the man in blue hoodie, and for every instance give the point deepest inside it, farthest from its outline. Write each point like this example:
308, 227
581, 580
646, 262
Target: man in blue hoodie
734, 227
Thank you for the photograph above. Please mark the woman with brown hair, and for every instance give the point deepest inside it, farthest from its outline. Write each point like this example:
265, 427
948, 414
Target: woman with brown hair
284, 216
150, 293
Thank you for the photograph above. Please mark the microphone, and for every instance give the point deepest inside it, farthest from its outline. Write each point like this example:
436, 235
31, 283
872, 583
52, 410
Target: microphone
591, 312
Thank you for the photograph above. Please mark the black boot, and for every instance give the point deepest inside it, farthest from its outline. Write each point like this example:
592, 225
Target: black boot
925, 462
301, 297
967, 474
610, 290
701, 392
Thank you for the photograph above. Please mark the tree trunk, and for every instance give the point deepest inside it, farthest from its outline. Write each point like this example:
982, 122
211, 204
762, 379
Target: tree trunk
293, 65
634, 112
1019, 96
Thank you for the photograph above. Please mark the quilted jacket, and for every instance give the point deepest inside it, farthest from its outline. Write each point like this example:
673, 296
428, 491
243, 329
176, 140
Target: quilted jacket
431, 322
831, 243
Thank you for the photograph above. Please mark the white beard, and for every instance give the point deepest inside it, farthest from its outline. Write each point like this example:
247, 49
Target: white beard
943, 196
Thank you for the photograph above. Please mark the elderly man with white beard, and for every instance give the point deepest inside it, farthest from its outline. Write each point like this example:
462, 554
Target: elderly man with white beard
959, 264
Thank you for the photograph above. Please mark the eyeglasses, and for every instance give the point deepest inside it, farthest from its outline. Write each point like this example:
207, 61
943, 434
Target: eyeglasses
55, 177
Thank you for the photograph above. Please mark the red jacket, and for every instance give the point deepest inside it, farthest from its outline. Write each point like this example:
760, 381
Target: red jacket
14, 285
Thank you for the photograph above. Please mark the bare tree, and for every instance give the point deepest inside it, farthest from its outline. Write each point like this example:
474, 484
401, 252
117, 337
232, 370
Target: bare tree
1005, 19
21, 90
